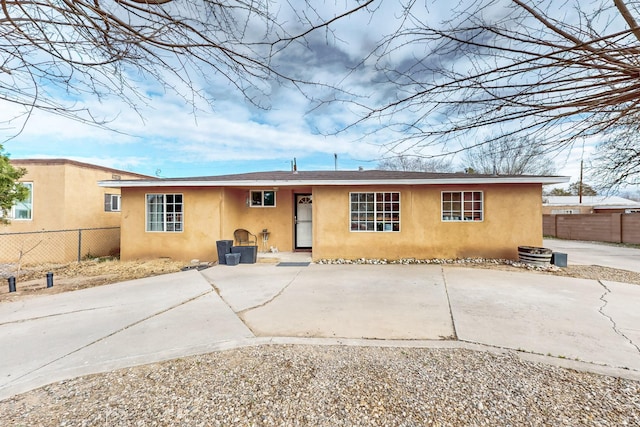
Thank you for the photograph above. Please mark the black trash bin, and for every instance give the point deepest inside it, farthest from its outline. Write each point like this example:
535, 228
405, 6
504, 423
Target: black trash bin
223, 247
248, 254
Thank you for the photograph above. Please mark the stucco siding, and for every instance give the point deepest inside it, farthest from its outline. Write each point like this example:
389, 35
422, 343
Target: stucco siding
512, 217
278, 220
66, 195
202, 209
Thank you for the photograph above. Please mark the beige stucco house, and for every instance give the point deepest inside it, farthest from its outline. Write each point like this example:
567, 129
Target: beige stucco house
334, 214
64, 196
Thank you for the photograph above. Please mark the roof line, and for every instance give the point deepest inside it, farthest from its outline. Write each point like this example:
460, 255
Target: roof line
345, 182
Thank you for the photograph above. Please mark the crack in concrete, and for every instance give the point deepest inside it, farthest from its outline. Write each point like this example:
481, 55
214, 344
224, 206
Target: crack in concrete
446, 290
54, 315
602, 298
124, 328
270, 300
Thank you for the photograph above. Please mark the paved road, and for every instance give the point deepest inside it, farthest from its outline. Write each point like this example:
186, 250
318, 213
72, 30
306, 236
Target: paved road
593, 253
555, 319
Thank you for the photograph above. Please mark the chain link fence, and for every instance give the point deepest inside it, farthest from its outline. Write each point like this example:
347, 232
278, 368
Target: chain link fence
56, 247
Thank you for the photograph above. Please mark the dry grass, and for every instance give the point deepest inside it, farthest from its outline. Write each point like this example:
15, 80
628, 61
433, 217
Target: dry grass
31, 280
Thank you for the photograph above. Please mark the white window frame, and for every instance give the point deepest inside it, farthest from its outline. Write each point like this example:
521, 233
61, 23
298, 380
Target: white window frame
170, 216
109, 202
262, 199
28, 202
374, 211
469, 207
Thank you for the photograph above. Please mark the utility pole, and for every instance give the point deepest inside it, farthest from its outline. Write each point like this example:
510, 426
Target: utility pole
580, 183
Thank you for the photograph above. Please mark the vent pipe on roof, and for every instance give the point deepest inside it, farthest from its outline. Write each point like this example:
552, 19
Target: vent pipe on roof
295, 166
335, 161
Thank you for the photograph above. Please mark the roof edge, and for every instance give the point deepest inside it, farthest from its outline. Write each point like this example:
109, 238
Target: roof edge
543, 180
62, 161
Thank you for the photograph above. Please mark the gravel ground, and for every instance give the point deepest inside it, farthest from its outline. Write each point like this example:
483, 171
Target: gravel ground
333, 386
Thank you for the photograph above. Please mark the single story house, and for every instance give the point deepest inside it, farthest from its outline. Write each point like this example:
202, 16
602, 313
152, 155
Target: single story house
563, 205
334, 214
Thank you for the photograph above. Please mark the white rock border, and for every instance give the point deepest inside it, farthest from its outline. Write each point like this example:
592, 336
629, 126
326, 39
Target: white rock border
440, 261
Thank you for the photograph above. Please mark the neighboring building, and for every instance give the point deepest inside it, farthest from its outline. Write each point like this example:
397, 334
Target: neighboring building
334, 214
562, 205
64, 195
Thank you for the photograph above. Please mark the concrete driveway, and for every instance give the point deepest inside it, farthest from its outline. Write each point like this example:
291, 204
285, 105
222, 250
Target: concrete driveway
584, 324
594, 253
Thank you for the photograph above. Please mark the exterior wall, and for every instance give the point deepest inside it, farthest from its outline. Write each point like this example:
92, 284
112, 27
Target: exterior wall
202, 210
66, 195
512, 217
210, 214
616, 227
277, 220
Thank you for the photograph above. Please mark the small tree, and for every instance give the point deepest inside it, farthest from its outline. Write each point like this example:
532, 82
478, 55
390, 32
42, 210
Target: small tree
573, 190
587, 190
11, 191
558, 192
412, 163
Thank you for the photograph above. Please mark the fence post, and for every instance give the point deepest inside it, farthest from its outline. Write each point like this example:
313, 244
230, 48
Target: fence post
79, 244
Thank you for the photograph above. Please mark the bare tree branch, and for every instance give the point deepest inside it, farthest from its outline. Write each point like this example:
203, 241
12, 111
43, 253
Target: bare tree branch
52, 52
512, 69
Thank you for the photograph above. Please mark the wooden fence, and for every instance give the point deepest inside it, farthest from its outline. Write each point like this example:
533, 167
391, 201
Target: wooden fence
616, 227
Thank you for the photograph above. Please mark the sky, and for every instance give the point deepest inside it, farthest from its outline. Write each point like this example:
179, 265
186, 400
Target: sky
168, 138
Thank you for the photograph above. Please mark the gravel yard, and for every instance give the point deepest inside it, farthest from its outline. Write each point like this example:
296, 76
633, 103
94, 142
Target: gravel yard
333, 386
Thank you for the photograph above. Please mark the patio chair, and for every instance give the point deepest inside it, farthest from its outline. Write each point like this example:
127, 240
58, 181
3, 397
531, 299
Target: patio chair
245, 238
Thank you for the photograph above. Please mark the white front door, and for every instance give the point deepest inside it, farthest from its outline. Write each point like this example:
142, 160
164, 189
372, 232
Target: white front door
304, 208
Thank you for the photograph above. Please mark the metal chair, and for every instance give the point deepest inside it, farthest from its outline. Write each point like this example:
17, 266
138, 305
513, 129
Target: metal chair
245, 238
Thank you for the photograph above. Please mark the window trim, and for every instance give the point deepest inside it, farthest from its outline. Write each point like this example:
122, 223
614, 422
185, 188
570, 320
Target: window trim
462, 201
383, 220
262, 199
12, 212
164, 213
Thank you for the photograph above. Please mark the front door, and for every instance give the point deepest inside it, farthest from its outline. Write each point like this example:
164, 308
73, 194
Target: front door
304, 208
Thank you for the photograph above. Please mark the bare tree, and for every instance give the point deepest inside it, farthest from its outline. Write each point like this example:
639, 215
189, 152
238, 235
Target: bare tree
509, 156
556, 72
52, 52
411, 163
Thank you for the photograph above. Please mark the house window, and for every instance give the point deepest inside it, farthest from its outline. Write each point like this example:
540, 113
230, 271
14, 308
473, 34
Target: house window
462, 206
375, 211
164, 212
24, 209
112, 203
262, 198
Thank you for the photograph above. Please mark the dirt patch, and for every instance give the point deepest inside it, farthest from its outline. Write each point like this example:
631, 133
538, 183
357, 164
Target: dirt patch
32, 280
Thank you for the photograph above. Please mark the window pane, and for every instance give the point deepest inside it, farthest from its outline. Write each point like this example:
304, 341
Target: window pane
23, 209
269, 198
256, 198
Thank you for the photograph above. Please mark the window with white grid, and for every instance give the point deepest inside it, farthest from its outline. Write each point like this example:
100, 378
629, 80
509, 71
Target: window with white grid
462, 206
375, 211
164, 212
